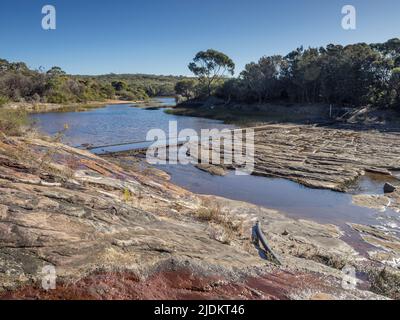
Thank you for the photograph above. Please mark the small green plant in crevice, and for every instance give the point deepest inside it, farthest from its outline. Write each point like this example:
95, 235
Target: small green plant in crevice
127, 195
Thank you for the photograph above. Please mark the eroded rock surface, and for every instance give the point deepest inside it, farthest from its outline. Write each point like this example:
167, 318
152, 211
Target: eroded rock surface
92, 219
372, 201
386, 241
322, 157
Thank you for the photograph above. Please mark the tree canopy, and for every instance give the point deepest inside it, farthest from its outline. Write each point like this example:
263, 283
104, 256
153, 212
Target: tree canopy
210, 66
353, 75
20, 84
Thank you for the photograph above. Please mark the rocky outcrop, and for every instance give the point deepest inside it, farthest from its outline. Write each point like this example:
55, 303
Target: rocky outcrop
212, 169
177, 283
94, 221
321, 157
372, 201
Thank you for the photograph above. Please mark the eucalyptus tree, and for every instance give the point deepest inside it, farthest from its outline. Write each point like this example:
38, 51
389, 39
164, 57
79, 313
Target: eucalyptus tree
210, 66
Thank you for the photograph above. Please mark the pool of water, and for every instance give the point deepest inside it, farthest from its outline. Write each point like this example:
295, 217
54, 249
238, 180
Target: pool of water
373, 183
294, 200
117, 124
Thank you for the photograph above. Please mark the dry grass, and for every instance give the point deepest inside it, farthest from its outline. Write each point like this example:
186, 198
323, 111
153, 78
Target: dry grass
333, 261
13, 122
3, 100
222, 226
312, 252
38, 162
48, 158
17, 151
72, 162
385, 282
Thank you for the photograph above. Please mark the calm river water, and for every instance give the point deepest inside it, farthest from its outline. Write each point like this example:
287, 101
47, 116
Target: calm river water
116, 124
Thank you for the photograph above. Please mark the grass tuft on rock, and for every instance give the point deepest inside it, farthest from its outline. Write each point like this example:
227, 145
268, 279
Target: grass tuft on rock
385, 282
221, 227
13, 122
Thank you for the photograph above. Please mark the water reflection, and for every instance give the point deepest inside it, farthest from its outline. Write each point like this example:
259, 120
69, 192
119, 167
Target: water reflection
116, 124
295, 200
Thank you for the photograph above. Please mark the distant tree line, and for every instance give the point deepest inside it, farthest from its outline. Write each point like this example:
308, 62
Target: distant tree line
353, 75
151, 85
20, 84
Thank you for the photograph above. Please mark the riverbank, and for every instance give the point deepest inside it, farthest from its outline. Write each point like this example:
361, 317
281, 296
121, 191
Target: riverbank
73, 107
99, 222
157, 103
364, 118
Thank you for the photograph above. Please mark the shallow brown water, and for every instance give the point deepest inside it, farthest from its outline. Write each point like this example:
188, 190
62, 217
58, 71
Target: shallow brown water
295, 200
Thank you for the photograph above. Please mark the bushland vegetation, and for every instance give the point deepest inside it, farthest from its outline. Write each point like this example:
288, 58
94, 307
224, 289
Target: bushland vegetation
354, 75
18, 83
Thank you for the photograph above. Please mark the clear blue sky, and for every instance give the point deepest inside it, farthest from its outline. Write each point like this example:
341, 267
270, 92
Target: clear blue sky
162, 36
